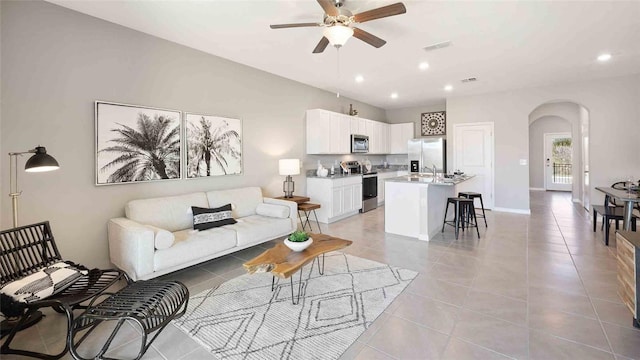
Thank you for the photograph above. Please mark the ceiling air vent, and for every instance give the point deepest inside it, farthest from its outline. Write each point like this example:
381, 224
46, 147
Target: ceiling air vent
468, 80
437, 46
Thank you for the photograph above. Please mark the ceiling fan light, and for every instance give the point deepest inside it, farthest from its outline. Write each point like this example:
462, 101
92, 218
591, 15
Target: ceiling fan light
337, 34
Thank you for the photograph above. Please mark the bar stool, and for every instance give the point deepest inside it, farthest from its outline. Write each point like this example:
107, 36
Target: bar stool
307, 208
473, 195
461, 206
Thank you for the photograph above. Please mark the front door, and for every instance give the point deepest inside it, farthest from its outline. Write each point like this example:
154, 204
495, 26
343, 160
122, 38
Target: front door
473, 154
557, 162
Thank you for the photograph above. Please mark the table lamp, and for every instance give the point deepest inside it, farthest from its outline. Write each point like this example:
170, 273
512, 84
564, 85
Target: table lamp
39, 162
289, 167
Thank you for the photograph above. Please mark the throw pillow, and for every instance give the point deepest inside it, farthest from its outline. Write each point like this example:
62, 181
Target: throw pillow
46, 282
162, 239
204, 218
271, 210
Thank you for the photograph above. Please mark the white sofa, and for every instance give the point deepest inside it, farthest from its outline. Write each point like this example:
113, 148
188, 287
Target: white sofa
132, 240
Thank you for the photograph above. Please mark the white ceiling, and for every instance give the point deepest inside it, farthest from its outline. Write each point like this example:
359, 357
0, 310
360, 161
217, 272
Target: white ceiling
506, 45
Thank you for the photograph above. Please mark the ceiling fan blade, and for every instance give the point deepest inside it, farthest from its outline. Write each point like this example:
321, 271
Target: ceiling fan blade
328, 7
283, 26
321, 45
368, 38
381, 12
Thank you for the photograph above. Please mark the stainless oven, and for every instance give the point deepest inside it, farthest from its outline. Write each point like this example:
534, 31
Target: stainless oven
359, 143
369, 192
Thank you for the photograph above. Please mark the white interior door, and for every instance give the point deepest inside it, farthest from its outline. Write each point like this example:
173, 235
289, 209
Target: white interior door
473, 154
558, 161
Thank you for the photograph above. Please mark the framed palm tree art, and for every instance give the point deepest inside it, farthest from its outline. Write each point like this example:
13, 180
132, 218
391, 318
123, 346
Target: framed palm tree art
213, 145
136, 143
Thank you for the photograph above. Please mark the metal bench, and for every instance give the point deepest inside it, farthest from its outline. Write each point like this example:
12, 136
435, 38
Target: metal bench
151, 305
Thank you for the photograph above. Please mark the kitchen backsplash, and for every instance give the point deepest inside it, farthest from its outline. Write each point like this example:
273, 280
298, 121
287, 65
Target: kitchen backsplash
310, 162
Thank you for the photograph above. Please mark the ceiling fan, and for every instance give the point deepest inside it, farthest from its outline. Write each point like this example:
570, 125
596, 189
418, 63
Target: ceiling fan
338, 20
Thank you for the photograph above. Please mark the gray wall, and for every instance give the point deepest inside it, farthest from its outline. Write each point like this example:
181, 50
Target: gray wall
614, 126
407, 115
57, 62
537, 129
571, 112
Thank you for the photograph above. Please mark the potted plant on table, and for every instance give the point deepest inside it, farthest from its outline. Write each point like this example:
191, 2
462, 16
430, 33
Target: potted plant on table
298, 241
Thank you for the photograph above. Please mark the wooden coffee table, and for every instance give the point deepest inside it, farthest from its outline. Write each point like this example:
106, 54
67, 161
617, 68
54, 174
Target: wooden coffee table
283, 262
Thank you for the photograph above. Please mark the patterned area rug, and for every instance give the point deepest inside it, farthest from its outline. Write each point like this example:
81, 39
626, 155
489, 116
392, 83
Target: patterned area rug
244, 319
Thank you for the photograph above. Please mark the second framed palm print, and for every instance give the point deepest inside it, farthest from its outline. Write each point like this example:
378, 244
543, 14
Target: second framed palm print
213, 145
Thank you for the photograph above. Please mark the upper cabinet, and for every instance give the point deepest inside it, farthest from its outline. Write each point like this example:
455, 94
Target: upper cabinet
400, 134
330, 133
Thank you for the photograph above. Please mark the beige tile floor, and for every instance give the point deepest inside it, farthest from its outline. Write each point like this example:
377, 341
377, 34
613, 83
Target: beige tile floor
533, 287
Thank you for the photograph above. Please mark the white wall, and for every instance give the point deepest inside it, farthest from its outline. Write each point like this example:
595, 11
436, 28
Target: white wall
614, 114
57, 62
543, 125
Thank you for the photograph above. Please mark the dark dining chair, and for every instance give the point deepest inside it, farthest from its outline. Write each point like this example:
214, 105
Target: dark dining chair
611, 210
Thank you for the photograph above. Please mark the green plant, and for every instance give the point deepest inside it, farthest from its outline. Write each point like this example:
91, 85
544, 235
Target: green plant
298, 236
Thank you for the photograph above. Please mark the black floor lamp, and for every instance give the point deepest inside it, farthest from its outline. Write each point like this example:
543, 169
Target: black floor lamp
39, 162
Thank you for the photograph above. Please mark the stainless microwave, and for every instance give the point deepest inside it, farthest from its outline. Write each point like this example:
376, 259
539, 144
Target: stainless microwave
359, 143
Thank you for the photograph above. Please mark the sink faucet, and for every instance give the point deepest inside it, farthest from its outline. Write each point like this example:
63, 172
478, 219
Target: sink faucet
435, 171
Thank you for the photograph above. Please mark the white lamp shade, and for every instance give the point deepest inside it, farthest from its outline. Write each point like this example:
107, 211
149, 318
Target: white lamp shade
337, 34
289, 166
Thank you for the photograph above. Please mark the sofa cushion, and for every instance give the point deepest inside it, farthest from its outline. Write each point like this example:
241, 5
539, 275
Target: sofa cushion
45, 282
172, 213
162, 239
204, 218
244, 200
192, 244
255, 229
271, 210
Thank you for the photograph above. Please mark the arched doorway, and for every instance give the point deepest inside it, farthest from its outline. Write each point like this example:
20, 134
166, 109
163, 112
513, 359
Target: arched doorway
560, 120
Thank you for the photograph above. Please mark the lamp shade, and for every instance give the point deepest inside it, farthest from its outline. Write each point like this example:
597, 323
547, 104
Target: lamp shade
289, 166
41, 161
337, 34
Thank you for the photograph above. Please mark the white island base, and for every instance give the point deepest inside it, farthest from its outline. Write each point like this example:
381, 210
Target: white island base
416, 209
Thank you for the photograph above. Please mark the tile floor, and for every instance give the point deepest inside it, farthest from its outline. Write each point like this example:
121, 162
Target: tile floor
533, 287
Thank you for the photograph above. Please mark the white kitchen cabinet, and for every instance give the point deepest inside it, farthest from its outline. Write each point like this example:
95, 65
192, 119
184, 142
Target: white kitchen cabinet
358, 125
382, 176
338, 197
337, 207
400, 134
328, 132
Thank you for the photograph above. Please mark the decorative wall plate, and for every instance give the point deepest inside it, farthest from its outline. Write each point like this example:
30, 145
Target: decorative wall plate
433, 123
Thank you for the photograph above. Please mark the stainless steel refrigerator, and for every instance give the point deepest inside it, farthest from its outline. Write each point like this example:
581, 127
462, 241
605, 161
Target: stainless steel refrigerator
426, 152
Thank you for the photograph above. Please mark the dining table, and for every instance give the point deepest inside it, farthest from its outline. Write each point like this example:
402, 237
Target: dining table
630, 198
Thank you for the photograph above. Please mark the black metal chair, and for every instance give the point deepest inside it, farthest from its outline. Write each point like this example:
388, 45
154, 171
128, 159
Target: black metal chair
611, 210
27, 249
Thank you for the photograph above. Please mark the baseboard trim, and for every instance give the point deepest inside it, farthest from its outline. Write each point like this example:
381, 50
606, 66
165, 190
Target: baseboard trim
537, 189
515, 211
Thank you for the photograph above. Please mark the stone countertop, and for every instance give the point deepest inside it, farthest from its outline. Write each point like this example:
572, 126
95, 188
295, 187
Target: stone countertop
428, 180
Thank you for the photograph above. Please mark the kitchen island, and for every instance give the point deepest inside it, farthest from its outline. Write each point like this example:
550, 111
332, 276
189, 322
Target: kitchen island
415, 204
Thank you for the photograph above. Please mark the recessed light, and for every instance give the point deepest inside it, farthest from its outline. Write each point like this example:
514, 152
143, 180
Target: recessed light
423, 66
604, 57
394, 95
448, 88
359, 78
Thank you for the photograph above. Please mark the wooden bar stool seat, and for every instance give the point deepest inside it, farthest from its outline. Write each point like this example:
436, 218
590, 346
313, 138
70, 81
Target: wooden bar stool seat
307, 209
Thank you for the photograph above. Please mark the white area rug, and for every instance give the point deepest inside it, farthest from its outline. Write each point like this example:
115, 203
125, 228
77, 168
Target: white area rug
244, 319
